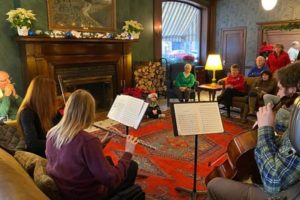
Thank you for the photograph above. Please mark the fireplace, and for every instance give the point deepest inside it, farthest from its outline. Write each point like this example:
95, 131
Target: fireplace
101, 66
99, 80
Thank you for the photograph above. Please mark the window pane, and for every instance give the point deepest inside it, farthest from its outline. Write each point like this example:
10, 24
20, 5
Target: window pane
180, 32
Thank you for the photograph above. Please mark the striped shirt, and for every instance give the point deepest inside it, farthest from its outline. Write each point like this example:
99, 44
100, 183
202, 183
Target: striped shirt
277, 161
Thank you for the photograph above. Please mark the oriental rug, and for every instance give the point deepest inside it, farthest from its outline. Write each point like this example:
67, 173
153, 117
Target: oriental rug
171, 165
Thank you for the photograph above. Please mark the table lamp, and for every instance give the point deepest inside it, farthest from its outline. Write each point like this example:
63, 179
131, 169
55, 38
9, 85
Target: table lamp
213, 63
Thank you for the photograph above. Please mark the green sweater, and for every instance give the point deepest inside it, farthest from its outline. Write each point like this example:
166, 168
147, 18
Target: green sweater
9, 106
182, 81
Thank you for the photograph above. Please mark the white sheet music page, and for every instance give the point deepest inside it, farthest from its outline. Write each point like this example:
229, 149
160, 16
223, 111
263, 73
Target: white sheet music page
187, 119
128, 110
198, 118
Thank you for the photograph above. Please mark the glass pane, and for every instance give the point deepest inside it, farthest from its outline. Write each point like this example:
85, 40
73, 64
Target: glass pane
180, 32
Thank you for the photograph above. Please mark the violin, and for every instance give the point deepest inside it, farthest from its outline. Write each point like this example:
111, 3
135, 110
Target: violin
240, 163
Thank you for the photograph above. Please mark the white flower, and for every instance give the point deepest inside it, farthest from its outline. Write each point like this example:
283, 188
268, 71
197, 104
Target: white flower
20, 17
132, 26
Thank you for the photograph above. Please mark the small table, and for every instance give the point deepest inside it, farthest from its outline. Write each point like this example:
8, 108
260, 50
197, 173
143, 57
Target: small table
211, 88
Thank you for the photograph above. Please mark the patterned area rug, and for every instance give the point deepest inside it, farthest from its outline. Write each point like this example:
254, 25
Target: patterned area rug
171, 165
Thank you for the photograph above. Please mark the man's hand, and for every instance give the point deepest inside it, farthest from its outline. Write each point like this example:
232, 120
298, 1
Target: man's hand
8, 90
265, 116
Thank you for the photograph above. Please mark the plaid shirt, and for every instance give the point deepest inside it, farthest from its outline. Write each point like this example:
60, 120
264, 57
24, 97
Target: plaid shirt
278, 163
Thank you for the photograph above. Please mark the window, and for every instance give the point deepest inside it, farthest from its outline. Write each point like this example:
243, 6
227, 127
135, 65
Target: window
180, 32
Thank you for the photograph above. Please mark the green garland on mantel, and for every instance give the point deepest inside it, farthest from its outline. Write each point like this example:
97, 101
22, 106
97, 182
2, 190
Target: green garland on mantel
286, 27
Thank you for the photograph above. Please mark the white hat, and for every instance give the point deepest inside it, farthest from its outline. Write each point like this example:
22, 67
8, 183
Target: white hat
152, 95
295, 43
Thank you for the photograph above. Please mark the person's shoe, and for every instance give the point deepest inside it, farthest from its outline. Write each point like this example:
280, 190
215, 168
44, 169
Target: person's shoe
161, 115
186, 100
181, 100
219, 98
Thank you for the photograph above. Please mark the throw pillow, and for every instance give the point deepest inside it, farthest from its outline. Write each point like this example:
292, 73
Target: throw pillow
27, 160
45, 182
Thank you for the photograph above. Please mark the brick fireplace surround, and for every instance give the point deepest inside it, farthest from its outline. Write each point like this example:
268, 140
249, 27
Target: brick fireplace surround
102, 66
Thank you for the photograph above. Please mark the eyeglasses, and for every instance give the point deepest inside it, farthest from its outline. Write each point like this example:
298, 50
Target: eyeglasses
5, 80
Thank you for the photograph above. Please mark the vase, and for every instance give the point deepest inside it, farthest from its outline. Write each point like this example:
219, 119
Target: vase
135, 35
23, 31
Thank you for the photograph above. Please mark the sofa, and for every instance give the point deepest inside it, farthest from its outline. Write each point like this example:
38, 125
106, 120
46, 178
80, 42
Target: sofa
15, 182
242, 102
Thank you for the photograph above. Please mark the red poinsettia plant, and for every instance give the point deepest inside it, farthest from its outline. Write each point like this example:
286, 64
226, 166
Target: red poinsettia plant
188, 58
265, 49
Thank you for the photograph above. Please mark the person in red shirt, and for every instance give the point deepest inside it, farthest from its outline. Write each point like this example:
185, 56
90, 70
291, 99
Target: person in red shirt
234, 86
278, 58
76, 161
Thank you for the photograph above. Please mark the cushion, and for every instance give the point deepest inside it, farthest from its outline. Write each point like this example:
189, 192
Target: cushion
10, 138
45, 182
27, 160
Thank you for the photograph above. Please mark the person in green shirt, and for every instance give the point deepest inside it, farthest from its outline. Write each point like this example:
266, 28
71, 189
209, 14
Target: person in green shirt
9, 99
184, 82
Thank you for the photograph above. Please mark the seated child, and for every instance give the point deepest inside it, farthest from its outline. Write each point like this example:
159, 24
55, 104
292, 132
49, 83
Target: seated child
153, 110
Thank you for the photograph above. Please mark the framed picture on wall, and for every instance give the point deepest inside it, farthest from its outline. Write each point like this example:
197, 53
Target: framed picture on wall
82, 15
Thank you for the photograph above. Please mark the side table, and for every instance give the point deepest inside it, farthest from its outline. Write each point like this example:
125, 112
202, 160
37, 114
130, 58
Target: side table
211, 88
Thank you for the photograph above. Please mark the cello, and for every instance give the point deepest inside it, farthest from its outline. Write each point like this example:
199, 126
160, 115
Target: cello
240, 163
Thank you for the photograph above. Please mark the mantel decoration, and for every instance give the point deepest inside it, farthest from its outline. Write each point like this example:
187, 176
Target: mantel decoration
283, 27
133, 28
21, 19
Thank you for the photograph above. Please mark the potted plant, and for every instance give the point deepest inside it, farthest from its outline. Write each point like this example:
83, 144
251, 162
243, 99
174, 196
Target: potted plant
134, 28
21, 19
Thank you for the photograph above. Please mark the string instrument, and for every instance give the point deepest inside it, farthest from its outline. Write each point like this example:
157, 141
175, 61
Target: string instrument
124, 136
286, 101
240, 163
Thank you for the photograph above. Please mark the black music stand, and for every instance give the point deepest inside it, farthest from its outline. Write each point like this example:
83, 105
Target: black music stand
180, 111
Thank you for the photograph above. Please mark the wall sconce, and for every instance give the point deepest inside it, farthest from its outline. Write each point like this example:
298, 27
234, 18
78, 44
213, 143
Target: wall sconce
213, 63
268, 4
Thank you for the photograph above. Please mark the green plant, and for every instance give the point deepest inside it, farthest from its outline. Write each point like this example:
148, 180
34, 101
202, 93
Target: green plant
287, 27
20, 17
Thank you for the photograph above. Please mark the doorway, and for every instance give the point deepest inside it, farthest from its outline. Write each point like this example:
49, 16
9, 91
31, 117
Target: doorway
234, 47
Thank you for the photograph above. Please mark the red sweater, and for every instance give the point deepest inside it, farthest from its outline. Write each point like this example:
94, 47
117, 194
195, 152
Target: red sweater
81, 170
276, 62
237, 82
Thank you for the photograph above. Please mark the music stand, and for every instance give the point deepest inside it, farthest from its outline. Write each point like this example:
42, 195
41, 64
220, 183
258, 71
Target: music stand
194, 119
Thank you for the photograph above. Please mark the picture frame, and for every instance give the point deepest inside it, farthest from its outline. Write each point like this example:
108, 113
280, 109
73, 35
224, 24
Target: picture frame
82, 15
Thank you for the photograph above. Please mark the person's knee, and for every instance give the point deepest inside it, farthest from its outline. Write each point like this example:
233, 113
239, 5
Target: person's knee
214, 183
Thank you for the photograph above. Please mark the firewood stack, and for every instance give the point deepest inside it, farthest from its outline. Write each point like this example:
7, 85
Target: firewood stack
150, 77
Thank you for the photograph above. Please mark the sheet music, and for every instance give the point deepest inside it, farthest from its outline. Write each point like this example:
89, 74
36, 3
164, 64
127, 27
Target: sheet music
128, 110
198, 118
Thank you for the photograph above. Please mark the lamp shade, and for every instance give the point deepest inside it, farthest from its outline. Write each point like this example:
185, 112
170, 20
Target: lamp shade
213, 62
268, 4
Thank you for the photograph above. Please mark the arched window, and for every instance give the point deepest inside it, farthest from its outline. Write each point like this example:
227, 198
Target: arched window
181, 27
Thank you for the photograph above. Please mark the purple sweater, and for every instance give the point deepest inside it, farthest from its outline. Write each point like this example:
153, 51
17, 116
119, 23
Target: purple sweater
81, 170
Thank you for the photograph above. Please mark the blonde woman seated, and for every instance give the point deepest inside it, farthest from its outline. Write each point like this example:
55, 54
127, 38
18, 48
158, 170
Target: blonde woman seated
184, 82
76, 160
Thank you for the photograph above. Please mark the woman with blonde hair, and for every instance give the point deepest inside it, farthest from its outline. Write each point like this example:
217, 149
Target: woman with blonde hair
37, 113
76, 160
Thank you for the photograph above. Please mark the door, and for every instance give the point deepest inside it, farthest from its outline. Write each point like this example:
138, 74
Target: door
234, 47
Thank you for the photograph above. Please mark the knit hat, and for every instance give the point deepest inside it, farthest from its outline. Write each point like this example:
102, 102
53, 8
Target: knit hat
152, 95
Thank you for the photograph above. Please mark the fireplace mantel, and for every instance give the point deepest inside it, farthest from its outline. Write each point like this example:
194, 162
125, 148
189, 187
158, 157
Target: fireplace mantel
44, 56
